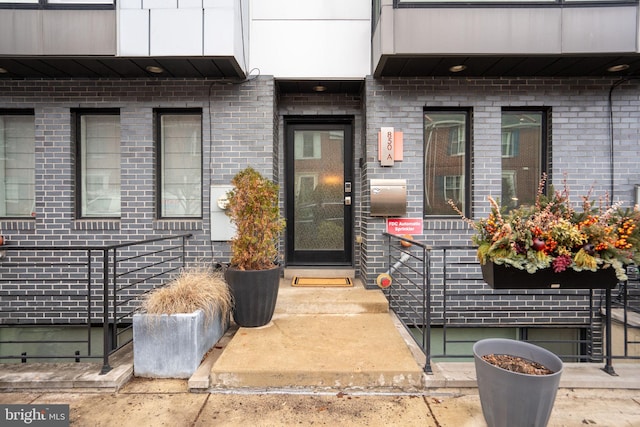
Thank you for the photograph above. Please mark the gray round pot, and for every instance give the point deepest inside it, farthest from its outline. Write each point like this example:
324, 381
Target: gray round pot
511, 399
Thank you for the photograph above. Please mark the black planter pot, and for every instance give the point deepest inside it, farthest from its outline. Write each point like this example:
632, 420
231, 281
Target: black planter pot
254, 295
511, 399
500, 276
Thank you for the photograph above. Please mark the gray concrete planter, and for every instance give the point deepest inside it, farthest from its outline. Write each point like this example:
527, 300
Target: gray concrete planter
172, 346
511, 399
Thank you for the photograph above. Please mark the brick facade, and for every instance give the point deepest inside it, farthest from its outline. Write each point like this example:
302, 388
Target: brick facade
244, 124
580, 142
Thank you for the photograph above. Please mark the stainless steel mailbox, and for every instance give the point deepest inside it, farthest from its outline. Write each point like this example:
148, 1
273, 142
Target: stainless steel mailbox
388, 197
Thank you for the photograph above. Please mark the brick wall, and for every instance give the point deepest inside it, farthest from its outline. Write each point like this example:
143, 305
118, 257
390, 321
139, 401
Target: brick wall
243, 124
238, 129
580, 151
580, 141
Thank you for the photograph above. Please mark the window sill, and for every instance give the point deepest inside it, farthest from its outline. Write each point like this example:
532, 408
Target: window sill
17, 224
96, 224
444, 223
177, 224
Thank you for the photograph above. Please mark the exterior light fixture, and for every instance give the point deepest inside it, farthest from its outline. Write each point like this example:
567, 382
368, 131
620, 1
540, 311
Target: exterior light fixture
154, 69
3, 70
319, 88
457, 68
619, 67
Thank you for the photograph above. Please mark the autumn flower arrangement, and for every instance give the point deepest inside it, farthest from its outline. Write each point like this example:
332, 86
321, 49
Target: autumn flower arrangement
551, 234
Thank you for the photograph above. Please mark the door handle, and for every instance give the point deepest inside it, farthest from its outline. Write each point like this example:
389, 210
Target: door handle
347, 201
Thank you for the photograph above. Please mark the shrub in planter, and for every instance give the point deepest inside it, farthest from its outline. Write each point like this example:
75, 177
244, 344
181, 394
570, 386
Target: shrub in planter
253, 275
179, 323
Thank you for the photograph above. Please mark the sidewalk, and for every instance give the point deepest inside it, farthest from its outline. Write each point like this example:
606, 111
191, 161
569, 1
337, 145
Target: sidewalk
153, 403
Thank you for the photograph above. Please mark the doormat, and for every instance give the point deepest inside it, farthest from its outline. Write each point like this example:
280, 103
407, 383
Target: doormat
322, 281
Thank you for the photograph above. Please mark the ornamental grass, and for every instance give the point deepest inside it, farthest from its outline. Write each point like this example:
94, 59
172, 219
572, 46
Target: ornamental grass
195, 288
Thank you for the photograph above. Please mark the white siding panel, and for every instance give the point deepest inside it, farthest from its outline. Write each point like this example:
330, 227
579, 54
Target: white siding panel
311, 49
176, 32
219, 30
159, 4
599, 29
133, 28
308, 9
475, 31
130, 4
221, 3
197, 4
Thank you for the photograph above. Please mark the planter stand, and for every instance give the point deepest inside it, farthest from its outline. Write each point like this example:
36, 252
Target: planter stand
172, 346
500, 276
511, 399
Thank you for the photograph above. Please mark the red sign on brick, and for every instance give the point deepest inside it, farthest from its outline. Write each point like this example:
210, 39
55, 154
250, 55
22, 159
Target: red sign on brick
404, 226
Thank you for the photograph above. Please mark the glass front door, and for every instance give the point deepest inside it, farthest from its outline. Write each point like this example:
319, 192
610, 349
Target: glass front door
319, 196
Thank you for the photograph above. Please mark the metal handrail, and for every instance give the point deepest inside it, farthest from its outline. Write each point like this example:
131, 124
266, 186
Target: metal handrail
415, 278
447, 293
113, 278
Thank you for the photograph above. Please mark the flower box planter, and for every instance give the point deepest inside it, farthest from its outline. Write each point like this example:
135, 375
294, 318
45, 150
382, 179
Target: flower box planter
500, 276
172, 346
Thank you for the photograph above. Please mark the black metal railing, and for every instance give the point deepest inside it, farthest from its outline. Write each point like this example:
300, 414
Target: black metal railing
409, 293
626, 309
439, 295
60, 301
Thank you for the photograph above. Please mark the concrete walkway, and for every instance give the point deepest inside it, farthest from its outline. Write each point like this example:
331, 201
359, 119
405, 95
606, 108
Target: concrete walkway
330, 357
321, 338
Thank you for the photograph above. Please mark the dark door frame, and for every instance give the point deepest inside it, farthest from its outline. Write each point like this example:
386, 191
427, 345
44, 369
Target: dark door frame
310, 258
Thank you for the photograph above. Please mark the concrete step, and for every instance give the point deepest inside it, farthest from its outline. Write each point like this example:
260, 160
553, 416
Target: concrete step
320, 338
69, 376
319, 352
330, 300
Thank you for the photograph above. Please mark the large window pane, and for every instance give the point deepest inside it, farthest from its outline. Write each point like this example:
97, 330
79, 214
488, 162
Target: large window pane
181, 165
523, 139
56, 2
446, 161
17, 165
99, 165
80, 2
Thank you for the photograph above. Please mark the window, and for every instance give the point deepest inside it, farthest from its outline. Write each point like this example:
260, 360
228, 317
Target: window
180, 156
524, 148
109, 2
308, 145
46, 3
98, 136
422, 3
447, 160
510, 142
454, 187
17, 164
456, 141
